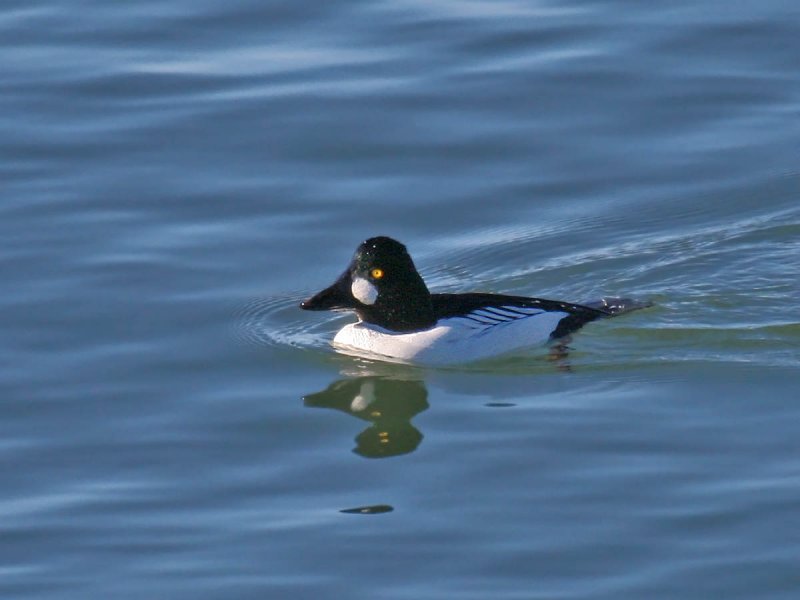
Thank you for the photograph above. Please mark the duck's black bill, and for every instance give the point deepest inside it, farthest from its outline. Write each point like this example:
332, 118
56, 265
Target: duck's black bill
335, 297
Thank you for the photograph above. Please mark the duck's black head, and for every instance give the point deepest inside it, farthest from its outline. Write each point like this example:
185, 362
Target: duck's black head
382, 286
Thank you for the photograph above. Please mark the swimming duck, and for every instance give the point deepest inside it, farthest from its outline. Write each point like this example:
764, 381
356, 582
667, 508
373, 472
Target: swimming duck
399, 319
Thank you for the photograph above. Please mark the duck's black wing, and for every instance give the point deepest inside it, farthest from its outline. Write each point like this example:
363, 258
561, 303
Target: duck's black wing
491, 309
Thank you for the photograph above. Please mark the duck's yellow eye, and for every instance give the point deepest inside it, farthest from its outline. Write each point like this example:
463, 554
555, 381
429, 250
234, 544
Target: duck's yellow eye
376, 273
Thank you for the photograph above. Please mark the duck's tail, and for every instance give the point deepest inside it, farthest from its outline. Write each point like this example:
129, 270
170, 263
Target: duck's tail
618, 306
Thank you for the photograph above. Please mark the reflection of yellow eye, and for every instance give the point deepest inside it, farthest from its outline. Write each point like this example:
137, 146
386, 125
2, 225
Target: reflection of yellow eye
376, 273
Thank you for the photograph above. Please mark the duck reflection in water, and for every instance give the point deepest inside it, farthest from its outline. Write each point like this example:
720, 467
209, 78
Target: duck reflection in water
388, 404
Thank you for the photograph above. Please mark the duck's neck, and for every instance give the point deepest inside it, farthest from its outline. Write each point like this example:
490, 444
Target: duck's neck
402, 311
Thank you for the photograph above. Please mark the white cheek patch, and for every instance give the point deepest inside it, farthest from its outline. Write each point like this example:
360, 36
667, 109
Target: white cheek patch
365, 398
364, 291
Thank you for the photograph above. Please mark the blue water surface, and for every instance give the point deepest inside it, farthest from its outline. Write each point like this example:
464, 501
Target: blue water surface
177, 176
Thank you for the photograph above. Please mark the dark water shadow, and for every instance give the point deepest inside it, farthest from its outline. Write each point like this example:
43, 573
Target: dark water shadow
389, 396
375, 509
387, 404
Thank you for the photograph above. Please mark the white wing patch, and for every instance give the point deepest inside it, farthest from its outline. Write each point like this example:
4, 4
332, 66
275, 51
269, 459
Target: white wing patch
490, 316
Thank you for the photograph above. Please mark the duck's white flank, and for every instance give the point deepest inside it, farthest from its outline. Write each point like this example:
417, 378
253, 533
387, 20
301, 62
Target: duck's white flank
477, 336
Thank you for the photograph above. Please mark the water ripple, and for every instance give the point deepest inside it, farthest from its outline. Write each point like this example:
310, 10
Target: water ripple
277, 322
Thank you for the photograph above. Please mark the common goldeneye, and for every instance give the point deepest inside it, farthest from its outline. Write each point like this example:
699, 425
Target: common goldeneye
400, 319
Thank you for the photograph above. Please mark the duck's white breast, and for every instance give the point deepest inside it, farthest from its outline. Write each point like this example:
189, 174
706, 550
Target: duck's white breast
450, 341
